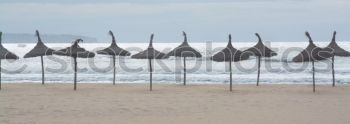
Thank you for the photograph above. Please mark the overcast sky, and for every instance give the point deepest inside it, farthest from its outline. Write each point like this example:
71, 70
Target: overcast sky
209, 20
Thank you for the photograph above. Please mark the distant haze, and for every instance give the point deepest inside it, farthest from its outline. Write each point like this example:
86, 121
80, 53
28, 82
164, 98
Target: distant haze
47, 38
203, 20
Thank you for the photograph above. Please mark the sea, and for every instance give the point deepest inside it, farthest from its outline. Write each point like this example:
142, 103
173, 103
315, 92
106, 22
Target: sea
274, 70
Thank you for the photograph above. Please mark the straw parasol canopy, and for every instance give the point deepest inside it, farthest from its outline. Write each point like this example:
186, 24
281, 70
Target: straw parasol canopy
184, 50
335, 50
113, 50
311, 53
260, 50
5, 54
40, 49
229, 54
150, 53
75, 51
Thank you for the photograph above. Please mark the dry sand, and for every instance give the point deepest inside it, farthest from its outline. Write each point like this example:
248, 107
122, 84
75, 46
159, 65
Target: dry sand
173, 104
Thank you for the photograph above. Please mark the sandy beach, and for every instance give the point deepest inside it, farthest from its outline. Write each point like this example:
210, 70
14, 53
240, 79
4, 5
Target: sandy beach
31, 103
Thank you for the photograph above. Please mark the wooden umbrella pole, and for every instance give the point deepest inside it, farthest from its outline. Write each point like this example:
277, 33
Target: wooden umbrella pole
313, 76
184, 70
258, 78
333, 71
0, 74
113, 70
230, 75
75, 73
150, 74
42, 71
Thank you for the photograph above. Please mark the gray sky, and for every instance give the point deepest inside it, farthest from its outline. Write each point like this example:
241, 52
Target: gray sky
208, 20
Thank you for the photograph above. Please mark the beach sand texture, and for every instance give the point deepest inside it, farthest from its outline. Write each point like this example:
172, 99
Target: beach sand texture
33, 103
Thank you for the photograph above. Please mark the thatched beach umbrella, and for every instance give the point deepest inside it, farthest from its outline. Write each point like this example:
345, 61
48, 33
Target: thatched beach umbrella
75, 51
113, 50
229, 54
184, 50
5, 54
335, 50
311, 53
150, 53
40, 49
260, 50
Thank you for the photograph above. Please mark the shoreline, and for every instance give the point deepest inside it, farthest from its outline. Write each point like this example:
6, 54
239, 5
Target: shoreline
146, 85
174, 83
174, 103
